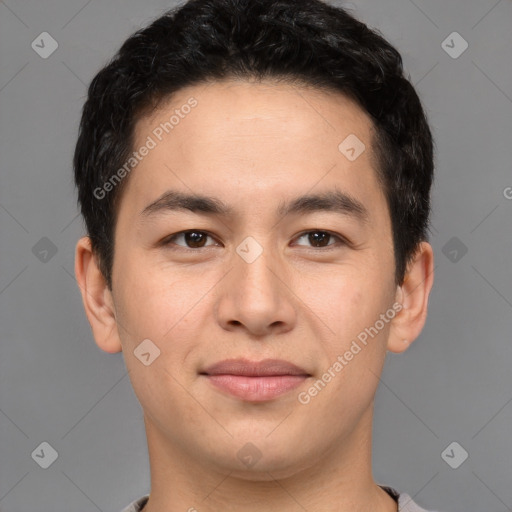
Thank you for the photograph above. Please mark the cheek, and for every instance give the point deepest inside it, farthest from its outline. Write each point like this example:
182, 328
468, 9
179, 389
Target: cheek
165, 312
163, 305
351, 308
354, 353
344, 299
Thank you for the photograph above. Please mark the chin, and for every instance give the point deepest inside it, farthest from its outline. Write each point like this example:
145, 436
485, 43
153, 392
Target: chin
263, 459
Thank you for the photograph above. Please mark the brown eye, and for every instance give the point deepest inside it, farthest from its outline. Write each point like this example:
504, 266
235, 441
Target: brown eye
193, 239
319, 238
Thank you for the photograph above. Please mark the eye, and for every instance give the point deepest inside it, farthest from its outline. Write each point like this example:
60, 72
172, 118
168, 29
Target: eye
319, 238
194, 239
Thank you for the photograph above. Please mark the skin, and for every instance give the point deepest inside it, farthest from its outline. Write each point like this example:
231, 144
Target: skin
253, 145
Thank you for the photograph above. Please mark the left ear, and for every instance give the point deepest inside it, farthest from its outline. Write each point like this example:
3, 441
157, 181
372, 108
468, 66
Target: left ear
413, 294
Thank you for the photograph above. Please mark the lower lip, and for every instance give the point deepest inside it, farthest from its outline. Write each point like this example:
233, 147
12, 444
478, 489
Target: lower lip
256, 389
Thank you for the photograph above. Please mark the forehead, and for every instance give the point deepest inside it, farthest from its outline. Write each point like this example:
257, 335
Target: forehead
264, 139
266, 104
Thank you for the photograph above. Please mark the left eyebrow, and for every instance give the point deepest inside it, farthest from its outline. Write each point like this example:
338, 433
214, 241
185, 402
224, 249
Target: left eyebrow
333, 201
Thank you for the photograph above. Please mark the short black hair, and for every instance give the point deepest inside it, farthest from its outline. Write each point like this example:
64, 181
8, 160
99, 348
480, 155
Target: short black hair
306, 42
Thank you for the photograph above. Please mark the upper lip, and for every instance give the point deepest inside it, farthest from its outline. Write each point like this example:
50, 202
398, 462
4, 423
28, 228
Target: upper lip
248, 368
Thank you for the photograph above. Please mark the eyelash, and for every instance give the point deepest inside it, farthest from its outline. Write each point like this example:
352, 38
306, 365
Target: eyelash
167, 242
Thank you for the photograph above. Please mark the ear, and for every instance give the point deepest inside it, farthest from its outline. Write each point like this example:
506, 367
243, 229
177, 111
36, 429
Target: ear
97, 298
413, 295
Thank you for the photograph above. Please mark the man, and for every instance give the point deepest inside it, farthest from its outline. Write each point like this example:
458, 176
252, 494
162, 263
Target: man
255, 181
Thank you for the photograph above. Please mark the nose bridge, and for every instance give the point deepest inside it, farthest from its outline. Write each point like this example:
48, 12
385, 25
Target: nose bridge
254, 270
254, 296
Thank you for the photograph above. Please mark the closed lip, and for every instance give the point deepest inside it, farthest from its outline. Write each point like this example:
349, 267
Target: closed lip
248, 368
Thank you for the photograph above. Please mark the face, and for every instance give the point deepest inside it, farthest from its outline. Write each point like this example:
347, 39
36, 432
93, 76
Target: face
255, 269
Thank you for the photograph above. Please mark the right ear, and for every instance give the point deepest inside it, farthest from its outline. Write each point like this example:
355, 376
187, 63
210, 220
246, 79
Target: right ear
96, 297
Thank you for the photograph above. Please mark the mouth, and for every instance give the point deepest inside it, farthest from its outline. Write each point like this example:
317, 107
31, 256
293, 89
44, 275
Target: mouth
255, 381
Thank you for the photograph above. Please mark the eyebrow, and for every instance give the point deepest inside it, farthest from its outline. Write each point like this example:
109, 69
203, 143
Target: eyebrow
332, 201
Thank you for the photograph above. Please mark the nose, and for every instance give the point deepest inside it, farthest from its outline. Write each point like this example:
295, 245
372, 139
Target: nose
256, 297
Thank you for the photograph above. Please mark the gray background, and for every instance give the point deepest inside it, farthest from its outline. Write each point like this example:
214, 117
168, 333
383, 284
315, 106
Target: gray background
453, 384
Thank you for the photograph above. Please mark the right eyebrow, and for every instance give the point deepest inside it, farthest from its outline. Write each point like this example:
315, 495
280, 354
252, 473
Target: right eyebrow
173, 200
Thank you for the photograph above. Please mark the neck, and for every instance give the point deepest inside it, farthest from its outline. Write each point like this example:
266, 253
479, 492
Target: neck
339, 480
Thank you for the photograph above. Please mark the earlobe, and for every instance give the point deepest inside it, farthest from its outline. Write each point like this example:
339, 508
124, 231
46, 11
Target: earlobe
96, 297
413, 295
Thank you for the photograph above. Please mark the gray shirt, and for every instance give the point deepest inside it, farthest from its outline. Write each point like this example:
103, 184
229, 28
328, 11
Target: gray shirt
405, 503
